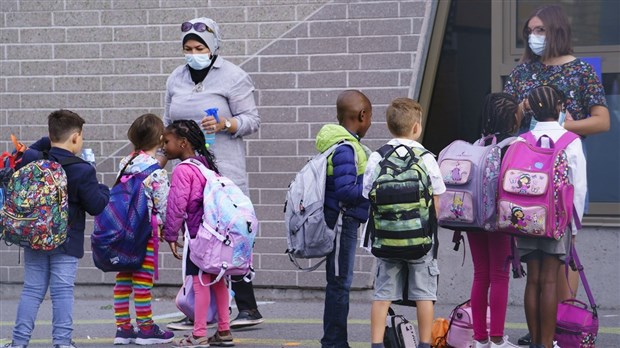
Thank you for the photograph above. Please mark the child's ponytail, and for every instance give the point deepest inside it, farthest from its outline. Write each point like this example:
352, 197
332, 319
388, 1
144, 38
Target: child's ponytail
190, 130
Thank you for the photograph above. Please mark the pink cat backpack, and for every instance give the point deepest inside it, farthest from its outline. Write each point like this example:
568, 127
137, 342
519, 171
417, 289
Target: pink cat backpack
535, 196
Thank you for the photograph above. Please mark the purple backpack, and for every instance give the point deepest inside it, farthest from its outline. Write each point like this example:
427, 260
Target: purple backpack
470, 172
535, 196
124, 228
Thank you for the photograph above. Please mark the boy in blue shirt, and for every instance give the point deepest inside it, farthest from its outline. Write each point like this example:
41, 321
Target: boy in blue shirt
345, 170
57, 268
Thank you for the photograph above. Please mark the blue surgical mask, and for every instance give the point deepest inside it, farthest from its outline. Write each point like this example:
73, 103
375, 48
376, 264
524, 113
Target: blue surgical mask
537, 44
562, 118
198, 61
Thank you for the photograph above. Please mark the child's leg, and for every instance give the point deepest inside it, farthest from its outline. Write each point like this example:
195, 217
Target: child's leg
564, 291
548, 298
480, 255
142, 285
36, 282
202, 298
122, 291
222, 300
499, 249
378, 313
531, 300
63, 270
425, 312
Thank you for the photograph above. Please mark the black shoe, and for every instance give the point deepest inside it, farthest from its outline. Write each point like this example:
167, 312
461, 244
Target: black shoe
525, 340
247, 318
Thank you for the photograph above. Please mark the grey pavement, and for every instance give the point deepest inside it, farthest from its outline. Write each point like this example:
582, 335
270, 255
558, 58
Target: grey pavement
288, 322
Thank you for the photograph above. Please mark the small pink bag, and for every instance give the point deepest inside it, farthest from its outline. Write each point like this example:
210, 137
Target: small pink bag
577, 326
461, 328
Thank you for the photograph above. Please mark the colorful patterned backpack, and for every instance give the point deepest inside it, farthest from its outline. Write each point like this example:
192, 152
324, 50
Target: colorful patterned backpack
8, 161
36, 210
470, 172
225, 239
535, 196
123, 229
402, 218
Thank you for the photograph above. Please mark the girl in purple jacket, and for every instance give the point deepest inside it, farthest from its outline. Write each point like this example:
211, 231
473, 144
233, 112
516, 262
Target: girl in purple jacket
183, 139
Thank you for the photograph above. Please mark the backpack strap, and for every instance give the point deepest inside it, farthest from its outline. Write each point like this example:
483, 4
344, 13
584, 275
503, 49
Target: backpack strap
565, 140
572, 256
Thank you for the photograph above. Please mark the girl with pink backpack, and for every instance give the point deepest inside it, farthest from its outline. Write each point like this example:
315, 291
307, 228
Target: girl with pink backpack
183, 139
545, 255
501, 118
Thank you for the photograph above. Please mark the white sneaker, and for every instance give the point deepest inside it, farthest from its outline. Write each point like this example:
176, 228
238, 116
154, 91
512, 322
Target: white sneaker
505, 344
555, 344
478, 344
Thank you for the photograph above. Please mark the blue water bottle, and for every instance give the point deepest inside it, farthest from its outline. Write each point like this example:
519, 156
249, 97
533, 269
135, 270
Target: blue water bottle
210, 137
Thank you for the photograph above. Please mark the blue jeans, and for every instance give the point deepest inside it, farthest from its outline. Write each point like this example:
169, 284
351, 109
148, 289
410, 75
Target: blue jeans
42, 270
338, 287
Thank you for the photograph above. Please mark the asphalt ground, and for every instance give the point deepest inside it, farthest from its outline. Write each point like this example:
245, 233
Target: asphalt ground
288, 323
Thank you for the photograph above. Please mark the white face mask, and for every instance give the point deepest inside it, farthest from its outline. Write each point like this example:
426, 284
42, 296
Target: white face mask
198, 61
537, 44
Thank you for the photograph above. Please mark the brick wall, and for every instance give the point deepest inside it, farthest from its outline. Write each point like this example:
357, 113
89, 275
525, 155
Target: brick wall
108, 60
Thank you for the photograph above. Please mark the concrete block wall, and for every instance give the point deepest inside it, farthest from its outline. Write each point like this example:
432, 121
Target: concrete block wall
108, 60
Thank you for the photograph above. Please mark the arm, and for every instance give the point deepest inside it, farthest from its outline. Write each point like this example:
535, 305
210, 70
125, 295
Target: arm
161, 186
578, 176
598, 122
245, 120
369, 173
93, 196
348, 188
176, 205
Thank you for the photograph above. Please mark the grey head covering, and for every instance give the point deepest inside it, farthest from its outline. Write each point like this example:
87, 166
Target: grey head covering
211, 38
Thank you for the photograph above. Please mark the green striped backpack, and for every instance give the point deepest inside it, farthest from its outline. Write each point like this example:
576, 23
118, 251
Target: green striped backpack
403, 223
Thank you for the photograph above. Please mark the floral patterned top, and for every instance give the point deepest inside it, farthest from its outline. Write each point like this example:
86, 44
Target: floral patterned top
156, 185
576, 79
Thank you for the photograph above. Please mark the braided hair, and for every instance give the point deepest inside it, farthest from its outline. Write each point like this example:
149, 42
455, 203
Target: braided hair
189, 130
498, 114
544, 101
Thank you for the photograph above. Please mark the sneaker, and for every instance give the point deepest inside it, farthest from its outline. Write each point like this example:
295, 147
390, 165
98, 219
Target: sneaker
154, 335
505, 344
181, 324
525, 340
125, 336
193, 342
247, 318
478, 344
70, 345
221, 341
11, 345
555, 344
185, 324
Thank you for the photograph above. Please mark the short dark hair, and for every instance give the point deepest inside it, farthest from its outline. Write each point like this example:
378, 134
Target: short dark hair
558, 34
544, 101
146, 132
498, 114
62, 123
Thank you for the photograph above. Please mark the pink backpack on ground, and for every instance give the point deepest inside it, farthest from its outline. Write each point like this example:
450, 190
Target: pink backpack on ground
535, 197
461, 327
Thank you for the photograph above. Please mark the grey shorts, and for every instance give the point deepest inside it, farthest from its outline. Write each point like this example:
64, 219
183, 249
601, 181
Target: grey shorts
390, 280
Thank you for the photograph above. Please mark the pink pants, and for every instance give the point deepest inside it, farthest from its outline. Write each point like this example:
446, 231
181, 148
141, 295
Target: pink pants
202, 298
489, 252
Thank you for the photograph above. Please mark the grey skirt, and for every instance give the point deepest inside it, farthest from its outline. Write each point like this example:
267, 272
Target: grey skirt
559, 248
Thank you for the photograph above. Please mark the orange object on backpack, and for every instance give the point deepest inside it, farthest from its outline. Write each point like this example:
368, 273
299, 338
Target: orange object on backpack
8, 159
439, 333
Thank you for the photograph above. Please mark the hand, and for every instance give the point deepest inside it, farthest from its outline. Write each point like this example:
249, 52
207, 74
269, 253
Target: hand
173, 248
210, 125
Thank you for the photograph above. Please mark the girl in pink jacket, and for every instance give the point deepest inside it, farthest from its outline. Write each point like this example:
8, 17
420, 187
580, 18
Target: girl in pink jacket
183, 139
